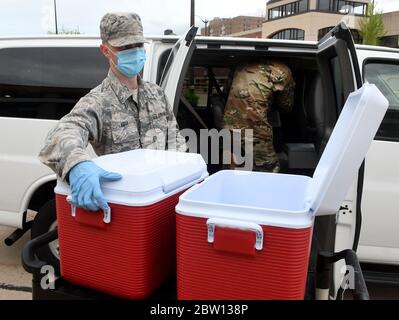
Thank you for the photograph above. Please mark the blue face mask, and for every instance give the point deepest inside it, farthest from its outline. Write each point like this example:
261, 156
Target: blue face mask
130, 61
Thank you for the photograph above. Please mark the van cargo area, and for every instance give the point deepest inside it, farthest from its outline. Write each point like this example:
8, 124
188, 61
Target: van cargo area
299, 136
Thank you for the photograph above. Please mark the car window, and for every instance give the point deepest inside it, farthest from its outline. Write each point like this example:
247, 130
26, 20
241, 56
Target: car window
45, 83
166, 70
385, 75
75, 67
35, 102
163, 59
195, 87
200, 84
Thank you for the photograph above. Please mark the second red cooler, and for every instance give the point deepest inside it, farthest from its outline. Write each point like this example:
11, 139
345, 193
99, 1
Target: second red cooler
247, 235
130, 251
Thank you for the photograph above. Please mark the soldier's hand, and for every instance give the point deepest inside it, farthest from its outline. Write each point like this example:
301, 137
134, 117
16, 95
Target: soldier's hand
84, 180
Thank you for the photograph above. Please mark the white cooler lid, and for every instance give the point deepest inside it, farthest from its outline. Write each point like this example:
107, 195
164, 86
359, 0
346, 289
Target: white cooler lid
148, 175
346, 149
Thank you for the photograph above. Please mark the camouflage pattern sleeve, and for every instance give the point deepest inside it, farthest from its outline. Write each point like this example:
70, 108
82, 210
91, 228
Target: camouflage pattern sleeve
284, 87
175, 140
66, 144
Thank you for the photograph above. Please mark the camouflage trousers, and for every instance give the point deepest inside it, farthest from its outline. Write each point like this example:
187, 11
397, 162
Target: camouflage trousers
262, 159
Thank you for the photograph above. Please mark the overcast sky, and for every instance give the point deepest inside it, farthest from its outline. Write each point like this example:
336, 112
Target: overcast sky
35, 17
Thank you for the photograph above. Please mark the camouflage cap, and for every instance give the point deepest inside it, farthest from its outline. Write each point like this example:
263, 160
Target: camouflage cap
121, 29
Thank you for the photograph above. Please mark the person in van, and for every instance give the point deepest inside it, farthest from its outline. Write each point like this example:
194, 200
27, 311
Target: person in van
123, 113
258, 88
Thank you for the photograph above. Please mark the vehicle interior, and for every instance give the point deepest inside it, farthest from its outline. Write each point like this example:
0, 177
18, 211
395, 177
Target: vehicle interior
299, 137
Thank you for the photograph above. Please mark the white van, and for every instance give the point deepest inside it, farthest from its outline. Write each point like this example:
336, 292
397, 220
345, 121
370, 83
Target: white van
42, 78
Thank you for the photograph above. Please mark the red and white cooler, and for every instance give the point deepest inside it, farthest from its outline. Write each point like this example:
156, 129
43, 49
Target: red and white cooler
130, 251
247, 235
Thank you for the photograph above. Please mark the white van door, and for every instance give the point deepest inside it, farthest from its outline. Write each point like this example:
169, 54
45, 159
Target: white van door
379, 241
340, 72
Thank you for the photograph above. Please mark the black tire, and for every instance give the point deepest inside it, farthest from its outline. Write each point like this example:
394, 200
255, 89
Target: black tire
45, 218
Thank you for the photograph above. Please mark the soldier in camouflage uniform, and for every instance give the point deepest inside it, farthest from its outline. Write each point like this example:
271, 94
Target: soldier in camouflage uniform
256, 88
123, 113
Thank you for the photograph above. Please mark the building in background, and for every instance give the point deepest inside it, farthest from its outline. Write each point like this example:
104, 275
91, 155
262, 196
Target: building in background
311, 19
303, 20
391, 24
241, 26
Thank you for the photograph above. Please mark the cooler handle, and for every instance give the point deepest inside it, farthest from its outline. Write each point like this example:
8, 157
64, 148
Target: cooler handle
169, 184
107, 213
235, 224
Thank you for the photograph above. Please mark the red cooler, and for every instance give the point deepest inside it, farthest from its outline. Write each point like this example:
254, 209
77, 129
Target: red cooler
130, 251
247, 235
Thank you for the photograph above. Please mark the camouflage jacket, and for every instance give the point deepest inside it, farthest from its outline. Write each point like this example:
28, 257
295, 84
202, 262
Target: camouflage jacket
256, 89
112, 120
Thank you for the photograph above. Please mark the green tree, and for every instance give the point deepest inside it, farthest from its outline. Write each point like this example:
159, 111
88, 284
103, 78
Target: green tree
371, 27
191, 96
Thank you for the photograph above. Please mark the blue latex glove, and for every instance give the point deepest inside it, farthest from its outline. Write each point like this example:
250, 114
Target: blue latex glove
84, 180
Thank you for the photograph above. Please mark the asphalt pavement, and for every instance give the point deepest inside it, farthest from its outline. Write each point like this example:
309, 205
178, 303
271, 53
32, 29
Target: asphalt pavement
15, 283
